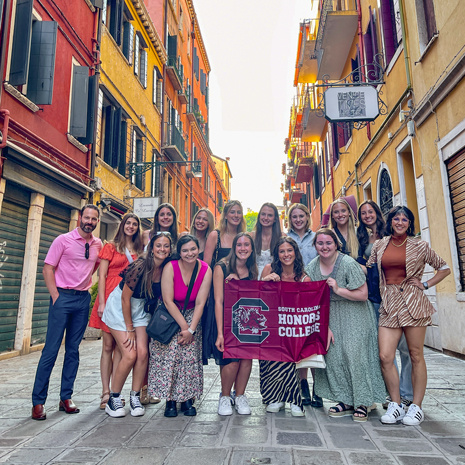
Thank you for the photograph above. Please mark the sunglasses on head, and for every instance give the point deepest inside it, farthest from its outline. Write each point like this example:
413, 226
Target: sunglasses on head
87, 250
165, 233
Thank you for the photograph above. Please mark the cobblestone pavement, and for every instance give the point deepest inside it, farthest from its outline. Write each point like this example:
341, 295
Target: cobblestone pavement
91, 437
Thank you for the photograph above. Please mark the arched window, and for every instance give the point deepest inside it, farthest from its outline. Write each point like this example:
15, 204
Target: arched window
385, 192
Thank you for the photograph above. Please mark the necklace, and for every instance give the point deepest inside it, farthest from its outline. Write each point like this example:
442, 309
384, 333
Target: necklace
398, 245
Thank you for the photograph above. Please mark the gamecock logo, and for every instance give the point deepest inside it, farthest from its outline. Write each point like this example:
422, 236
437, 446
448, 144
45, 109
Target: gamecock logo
248, 321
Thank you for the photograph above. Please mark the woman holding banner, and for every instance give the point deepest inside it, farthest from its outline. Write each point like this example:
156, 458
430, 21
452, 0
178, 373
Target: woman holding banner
353, 373
239, 264
280, 381
300, 221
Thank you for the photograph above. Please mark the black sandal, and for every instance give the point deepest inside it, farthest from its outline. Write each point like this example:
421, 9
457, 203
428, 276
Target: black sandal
341, 410
362, 412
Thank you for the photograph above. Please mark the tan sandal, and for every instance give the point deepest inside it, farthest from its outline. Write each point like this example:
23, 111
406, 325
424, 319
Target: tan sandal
104, 399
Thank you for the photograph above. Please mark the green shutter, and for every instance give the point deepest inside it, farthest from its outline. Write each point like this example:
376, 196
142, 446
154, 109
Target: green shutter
172, 46
42, 62
122, 149
13, 227
116, 137
109, 121
79, 101
21, 47
92, 102
51, 227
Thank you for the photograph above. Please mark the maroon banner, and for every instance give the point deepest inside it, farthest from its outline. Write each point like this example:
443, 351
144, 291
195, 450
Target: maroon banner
279, 321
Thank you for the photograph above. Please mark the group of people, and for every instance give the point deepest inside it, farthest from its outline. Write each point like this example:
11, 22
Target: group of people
187, 272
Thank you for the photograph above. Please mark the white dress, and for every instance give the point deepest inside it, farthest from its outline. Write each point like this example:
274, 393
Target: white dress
263, 259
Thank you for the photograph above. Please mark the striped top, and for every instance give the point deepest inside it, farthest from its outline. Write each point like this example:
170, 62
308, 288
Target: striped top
418, 254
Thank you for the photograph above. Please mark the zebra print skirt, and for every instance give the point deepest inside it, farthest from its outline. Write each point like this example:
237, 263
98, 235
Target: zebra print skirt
280, 382
394, 311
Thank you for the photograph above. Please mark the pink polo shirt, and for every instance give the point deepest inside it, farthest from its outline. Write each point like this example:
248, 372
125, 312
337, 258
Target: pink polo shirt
67, 255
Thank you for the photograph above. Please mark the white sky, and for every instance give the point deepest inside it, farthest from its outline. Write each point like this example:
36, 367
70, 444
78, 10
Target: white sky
252, 47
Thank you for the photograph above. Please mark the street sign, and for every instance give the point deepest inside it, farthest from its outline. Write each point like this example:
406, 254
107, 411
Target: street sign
351, 103
146, 207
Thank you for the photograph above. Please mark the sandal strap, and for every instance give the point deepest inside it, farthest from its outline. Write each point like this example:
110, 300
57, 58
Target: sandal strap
106, 393
340, 407
361, 409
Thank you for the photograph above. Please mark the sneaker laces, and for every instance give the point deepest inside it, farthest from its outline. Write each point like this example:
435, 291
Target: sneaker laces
135, 401
225, 402
242, 401
115, 402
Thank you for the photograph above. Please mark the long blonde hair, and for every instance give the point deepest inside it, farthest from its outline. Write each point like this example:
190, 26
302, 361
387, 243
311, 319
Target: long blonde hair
223, 223
352, 241
211, 222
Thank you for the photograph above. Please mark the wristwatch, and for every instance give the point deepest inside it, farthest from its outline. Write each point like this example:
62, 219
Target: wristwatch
191, 330
425, 285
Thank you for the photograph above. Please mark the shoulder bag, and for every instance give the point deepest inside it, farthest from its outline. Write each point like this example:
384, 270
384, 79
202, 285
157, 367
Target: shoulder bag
162, 326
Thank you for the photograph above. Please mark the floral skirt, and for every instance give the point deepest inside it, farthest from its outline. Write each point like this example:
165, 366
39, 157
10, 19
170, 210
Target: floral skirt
176, 372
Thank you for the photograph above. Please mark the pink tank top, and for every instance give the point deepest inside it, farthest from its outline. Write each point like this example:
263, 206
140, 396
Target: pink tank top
180, 288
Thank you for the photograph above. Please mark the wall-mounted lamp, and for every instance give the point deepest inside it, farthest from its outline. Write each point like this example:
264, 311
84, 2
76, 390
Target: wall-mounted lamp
104, 204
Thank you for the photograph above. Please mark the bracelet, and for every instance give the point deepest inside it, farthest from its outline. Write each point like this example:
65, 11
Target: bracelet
130, 330
191, 330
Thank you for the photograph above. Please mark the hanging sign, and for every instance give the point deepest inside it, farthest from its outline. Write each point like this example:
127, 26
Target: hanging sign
355, 103
146, 207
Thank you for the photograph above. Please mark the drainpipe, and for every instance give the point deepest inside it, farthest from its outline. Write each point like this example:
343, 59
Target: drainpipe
404, 40
6, 120
163, 107
96, 39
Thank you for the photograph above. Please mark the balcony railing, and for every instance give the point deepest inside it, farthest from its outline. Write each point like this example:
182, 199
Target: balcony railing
336, 31
174, 143
175, 71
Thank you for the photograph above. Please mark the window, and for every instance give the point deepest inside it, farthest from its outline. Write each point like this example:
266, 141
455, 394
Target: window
391, 30
128, 40
140, 59
316, 180
186, 211
32, 60
203, 82
196, 64
178, 198
113, 130
370, 42
426, 22
170, 190
82, 105
157, 97
385, 191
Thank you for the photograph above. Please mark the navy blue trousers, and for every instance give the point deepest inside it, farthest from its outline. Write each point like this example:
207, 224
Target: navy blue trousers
69, 314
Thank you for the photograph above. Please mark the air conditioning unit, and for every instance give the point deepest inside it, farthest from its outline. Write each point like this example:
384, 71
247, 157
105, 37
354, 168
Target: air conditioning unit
96, 184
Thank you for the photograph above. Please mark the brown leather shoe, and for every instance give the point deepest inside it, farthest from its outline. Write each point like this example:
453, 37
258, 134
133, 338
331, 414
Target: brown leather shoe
68, 406
38, 412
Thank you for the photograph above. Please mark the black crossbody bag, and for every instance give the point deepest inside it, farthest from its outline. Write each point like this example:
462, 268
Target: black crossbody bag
162, 326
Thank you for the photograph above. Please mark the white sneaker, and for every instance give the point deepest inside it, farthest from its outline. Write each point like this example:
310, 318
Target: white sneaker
296, 411
394, 414
414, 416
232, 396
115, 407
224, 406
137, 410
242, 405
275, 407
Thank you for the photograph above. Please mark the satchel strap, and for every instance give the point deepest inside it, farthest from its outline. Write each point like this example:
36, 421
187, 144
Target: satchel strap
336, 266
191, 285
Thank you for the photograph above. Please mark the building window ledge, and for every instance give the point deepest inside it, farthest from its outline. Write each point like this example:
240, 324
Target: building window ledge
427, 48
115, 171
72, 140
14, 92
394, 59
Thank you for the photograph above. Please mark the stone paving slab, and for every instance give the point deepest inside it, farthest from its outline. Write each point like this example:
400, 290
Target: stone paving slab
93, 438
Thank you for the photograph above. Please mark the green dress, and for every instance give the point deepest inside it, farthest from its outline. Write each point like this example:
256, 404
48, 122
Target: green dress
353, 372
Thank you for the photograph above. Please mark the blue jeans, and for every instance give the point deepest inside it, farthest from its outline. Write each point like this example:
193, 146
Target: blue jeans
405, 378
70, 313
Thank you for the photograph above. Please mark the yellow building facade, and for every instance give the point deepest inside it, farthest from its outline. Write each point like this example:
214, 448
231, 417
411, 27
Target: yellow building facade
413, 152
129, 109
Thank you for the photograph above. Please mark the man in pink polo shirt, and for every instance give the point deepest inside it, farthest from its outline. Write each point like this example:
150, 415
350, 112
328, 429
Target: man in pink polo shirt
69, 265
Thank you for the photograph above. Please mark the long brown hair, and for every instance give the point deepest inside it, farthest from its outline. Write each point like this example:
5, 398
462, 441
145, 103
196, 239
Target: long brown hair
173, 228
231, 260
119, 240
148, 265
277, 266
276, 232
